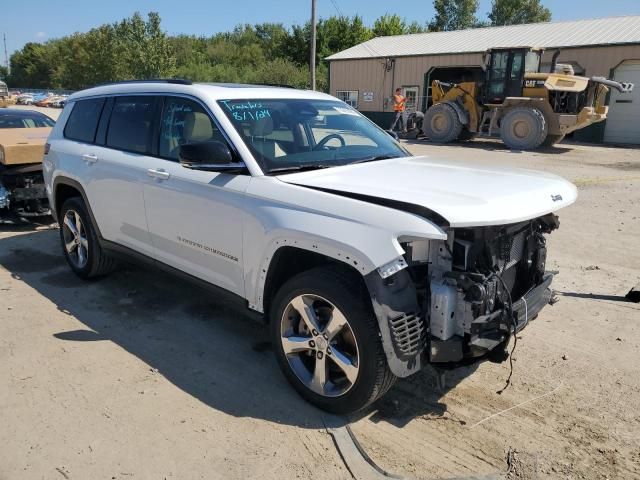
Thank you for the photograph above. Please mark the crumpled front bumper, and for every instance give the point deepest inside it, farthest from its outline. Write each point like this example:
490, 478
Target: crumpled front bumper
491, 331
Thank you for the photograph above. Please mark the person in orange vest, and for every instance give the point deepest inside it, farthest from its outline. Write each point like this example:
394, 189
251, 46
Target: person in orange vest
399, 106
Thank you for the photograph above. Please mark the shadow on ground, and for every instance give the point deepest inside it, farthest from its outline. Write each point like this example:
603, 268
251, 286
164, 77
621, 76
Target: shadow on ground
494, 145
208, 348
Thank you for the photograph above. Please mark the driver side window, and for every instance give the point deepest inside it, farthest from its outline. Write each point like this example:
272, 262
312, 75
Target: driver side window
184, 121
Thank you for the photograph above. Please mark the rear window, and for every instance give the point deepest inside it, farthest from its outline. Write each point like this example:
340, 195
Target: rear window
83, 120
131, 124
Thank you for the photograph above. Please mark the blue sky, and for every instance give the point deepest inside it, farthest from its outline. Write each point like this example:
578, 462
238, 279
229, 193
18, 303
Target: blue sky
39, 20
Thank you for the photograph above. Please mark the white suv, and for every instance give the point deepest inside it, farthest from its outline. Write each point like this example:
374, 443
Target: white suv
367, 262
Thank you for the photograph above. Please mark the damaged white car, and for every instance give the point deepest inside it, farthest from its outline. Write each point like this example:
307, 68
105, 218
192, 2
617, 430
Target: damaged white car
368, 263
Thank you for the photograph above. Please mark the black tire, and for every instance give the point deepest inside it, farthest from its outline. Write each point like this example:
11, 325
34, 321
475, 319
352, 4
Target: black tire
552, 140
374, 378
97, 263
441, 123
523, 128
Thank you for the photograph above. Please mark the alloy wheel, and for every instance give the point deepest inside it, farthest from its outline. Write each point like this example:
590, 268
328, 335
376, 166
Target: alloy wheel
319, 345
75, 239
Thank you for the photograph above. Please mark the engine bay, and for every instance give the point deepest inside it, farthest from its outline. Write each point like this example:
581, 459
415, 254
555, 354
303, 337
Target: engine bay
479, 286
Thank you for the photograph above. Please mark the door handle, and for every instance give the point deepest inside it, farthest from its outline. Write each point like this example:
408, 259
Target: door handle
160, 174
90, 158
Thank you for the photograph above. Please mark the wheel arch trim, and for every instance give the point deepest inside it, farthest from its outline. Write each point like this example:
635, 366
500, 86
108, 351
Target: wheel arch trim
344, 254
69, 182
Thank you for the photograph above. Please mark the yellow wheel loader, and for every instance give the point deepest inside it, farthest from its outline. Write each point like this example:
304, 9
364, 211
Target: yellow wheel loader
524, 106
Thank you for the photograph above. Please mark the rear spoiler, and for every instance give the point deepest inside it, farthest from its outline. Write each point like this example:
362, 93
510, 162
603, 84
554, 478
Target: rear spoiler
621, 87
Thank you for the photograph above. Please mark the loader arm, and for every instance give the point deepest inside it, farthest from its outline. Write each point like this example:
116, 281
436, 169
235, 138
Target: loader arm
620, 87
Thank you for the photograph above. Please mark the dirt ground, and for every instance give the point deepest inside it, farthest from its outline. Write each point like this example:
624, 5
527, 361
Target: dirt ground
140, 375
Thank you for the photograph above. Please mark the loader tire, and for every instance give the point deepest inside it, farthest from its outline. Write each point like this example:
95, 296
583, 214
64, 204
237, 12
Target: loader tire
552, 140
441, 123
523, 128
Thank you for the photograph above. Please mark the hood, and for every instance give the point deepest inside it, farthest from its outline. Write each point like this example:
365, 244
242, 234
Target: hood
464, 194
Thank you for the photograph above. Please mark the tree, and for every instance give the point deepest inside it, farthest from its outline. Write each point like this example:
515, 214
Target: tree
454, 15
32, 66
145, 47
388, 25
4, 72
513, 12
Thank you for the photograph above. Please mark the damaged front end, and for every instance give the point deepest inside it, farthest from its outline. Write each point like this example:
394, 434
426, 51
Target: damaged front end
461, 299
22, 191
485, 284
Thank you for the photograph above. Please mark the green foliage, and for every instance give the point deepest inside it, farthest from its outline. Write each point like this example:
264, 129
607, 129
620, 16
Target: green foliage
513, 12
132, 48
32, 66
135, 48
388, 25
454, 15
4, 72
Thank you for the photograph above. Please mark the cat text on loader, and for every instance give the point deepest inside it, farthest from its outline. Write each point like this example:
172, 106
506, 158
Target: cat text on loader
526, 107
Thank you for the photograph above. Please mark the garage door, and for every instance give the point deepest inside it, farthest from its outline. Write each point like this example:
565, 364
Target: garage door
623, 121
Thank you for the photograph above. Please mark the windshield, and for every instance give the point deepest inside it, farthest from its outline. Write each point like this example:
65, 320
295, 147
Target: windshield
285, 134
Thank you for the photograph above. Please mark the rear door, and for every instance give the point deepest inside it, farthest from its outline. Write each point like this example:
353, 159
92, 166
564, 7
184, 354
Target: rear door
118, 162
195, 217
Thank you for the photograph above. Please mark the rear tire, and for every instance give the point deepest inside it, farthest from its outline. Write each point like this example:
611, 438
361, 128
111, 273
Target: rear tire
441, 123
523, 128
80, 243
329, 296
552, 140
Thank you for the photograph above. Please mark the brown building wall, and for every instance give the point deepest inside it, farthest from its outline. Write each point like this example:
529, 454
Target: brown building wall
369, 75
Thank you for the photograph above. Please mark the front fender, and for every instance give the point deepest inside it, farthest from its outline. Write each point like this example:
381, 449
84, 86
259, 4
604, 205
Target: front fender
381, 251
359, 233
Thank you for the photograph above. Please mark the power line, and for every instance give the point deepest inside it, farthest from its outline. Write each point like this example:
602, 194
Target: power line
335, 5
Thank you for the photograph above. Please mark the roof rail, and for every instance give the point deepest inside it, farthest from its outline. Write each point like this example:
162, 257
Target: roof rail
179, 81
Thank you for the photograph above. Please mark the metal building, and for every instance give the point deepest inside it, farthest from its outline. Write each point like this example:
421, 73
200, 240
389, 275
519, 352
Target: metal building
366, 75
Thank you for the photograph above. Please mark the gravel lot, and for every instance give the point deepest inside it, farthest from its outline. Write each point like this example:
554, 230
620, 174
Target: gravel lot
141, 376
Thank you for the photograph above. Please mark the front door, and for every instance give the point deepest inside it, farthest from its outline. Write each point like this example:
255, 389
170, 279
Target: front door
195, 217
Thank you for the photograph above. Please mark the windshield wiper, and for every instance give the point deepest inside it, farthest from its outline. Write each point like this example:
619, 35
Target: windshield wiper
299, 168
373, 159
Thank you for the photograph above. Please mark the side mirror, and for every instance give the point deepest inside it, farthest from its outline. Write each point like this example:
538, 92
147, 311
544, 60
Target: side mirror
205, 155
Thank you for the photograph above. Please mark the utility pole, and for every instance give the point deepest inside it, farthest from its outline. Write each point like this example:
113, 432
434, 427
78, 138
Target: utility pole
312, 58
6, 57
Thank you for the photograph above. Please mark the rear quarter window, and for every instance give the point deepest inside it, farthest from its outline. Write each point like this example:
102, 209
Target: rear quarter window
83, 120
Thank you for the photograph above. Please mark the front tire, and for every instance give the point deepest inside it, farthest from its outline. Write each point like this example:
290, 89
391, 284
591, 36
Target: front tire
80, 243
326, 340
523, 128
441, 123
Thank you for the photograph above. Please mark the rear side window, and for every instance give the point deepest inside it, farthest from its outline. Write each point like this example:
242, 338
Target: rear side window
83, 120
131, 124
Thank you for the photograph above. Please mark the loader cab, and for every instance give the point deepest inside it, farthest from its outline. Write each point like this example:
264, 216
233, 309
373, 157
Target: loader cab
505, 70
